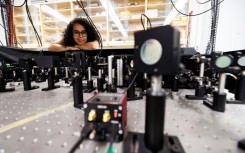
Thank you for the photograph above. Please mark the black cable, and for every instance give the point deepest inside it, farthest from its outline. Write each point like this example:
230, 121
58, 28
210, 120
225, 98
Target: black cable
148, 20
203, 2
197, 13
141, 19
113, 137
2, 26
74, 148
19, 5
101, 41
131, 83
1, 42
35, 32
14, 6
214, 17
91, 22
15, 37
94, 70
30, 19
87, 129
19, 43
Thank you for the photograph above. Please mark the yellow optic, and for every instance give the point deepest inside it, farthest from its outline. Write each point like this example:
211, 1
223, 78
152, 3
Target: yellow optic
106, 116
91, 115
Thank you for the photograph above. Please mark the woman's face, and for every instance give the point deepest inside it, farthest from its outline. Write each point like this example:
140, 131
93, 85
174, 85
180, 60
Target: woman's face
79, 34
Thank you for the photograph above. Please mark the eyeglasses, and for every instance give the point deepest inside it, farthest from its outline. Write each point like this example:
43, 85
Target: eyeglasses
82, 33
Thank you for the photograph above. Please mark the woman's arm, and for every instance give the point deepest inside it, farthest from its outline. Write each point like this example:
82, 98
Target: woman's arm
88, 45
57, 47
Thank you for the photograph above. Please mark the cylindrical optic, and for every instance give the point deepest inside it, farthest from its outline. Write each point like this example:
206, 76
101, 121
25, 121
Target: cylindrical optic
222, 78
55, 71
110, 69
119, 72
66, 71
156, 83
89, 73
99, 73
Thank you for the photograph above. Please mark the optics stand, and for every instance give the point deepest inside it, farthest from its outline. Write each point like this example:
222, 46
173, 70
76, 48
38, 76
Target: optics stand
153, 141
27, 81
90, 84
41, 77
131, 90
78, 91
15, 78
110, 87
239, 95
119, 72
33, 74
241, 144
175, 87
240, 90
100, 82
145, 83
78, 64
27, 66
219, 97
56, 75
114, 79
3, 84
200, 89
66, 75
51, 85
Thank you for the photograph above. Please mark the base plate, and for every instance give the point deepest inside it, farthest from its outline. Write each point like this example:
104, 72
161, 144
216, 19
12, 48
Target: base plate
134, 142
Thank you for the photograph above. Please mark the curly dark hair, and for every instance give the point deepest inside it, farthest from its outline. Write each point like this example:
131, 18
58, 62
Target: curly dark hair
92, 35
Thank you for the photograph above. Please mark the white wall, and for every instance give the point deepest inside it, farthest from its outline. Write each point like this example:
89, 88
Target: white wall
231, 26
200, 26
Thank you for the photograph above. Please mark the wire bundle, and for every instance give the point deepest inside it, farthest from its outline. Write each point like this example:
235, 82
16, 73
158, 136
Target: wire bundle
8, 6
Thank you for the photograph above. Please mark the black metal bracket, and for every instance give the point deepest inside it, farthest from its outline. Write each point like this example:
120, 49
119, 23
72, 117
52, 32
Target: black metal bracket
218, 104
235, 102
199, 94
104, 132
90, 87
27, 81
134, 142
3, 86
51, 85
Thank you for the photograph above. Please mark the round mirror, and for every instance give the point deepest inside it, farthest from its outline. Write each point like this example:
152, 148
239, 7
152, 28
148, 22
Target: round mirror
241, 61
223, 61
151, 51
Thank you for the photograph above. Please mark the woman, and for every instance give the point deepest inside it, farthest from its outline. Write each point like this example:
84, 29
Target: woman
79, 34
